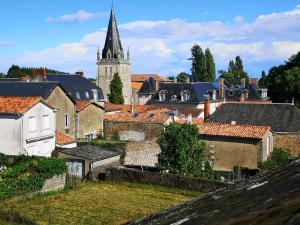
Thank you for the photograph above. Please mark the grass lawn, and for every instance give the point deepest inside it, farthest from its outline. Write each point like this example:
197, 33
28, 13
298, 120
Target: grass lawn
98, 203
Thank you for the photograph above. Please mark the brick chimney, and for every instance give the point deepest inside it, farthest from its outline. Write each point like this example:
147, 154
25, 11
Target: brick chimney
221, 88
24, 79
39, 74
206, 108
242, 97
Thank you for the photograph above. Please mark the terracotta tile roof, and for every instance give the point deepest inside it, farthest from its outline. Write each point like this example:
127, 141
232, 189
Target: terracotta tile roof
62, 139
109, 107
151, 116
17, 104
228, 130
143, 77
136, 85
82, 104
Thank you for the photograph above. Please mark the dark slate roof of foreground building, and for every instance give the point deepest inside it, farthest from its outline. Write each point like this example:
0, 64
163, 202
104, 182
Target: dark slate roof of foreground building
26, 89
73, 84
270, 198
91, 152
280, 117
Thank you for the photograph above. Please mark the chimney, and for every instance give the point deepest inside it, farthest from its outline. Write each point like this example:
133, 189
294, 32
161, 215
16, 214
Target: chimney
243, 81
175, 80
24, 78
206, 108
132, 106
189, 118
254, 81
242, 97
39, 74
221, 88
80, 72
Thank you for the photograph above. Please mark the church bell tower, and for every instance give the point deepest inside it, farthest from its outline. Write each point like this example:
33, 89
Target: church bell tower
113, 60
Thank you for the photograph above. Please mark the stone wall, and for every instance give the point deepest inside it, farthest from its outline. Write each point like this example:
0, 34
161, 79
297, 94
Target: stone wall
54, 184
90, 121
290, 142
150, 130
142, 153
163, 179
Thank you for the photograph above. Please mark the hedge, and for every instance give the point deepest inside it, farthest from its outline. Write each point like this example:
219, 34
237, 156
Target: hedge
27, 174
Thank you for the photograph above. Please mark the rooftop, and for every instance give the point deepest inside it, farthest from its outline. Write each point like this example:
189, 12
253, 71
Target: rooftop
142, 77
91, 152
17, 105
62, 139
82, 104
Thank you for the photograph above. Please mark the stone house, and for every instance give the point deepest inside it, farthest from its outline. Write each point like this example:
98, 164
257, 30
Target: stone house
89, 119
53, 94
231, 145
27, 126
283, 118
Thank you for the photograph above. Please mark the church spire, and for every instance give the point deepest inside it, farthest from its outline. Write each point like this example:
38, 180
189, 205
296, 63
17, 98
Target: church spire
113, 47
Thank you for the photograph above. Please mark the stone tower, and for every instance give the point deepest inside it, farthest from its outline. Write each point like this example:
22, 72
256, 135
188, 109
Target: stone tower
113, 60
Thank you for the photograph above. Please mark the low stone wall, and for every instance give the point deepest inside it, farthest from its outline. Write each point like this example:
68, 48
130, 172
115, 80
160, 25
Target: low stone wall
163, 179
144, 153
290, 142
54, 184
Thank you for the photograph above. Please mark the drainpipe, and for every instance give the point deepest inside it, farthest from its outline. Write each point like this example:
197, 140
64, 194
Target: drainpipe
22, 133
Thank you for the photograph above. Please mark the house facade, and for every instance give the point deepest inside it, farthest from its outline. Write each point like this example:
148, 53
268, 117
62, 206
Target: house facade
27, 126
89, 119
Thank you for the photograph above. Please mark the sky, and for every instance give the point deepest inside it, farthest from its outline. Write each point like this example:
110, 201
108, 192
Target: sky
64, 34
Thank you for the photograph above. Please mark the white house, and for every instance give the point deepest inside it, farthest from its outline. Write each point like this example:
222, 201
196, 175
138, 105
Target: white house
27, 126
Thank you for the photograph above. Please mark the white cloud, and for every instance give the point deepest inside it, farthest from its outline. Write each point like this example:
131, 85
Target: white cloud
285, 49
239, 19
6, 43
80, 17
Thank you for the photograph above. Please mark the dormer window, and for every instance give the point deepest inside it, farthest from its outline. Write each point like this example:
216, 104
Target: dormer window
162, 96
77, 95
173, 97
95, 94
87, 95
185, 95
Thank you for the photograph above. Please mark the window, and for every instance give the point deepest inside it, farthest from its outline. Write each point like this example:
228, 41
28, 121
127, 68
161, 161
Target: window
110, 71
184, 96
231, 93
67, 121
173, 97
87, 95
32, 124
162, 97
95, 94
46, 122
77, 95
106, 71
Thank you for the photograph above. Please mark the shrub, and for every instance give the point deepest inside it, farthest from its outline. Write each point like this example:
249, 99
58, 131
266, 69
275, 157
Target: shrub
279, 157
28, 174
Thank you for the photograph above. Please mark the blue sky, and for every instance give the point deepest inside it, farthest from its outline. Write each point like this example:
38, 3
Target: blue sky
64, 34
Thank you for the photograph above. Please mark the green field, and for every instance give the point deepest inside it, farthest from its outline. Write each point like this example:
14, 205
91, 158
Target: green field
98, 203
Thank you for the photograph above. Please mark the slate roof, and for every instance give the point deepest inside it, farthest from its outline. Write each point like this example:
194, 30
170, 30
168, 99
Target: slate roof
91, 152
26, 89
280, 117
72, 84
268, 198
198, 90
18, 105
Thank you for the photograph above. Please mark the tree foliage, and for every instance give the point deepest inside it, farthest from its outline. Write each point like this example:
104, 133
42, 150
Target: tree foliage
181, 150
16, 72
235, 70
279, 157
182, 77
283, 81
203, 64
116, 94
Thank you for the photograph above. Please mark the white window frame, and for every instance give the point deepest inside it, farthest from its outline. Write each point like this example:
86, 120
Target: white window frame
32, 124
46, 122
67, 121
95, 94
87, 95
78, 95
162, 97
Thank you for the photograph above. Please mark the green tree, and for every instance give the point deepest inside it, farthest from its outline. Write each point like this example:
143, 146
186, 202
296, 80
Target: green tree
14, 72
279, 157
181, 150
283, 81
262, 80
116, 86
2, 75
182, 77
228, 77
210, 66
199, 63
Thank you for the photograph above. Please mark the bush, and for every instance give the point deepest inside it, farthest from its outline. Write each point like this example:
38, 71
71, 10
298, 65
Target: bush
279, 157
28, 174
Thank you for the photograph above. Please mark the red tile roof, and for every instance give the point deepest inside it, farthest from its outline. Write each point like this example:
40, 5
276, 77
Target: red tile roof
62, 139
136, 85
151, 116
143, 77
17, 104
109, 107
82, 104
229, 130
